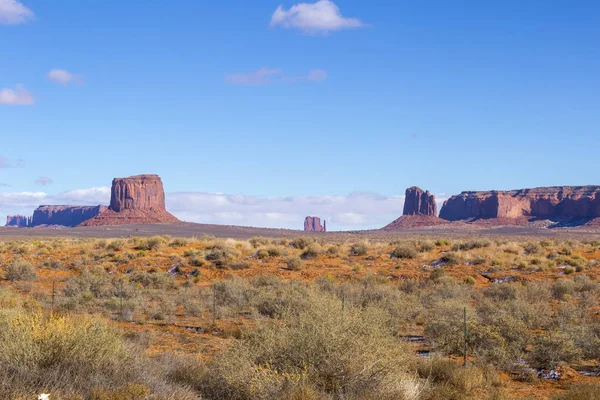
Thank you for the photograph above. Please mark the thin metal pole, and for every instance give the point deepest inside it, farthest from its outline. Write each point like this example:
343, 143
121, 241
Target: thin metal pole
214, 313
343, 300
52, 308
465, 338
121, 299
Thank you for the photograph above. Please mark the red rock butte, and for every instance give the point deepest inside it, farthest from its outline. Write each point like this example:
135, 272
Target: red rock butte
135, 200
544, 203
419, 202
420, 210
313, 224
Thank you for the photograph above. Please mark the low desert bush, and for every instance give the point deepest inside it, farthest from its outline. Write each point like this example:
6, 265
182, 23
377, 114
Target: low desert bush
403, 252
359, 249
319, 352
294, 263
309, 253
20, 270
580, 392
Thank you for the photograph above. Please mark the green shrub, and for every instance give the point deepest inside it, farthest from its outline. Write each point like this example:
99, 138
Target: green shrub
531, 248
403, 252
359, 249
67, 353
262, 254
309, 253
442, 242
450, 259
587, 391
294, 264
550, 350
179, 242
239, 265
20, 270
302, 242
116, 245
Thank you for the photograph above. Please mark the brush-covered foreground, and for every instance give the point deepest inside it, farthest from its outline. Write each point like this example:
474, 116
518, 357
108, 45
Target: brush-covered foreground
308, 318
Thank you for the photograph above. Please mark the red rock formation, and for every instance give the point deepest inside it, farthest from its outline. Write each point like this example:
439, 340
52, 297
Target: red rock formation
581, 202
414, 221
135, 200
313, 224
64, 215
419, 202
18, 221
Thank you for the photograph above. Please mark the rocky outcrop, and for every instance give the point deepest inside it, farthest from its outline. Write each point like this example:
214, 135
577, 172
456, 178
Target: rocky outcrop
313, 224
64, 215
18, 221
419, 202
577, 202
135, 200
414, 221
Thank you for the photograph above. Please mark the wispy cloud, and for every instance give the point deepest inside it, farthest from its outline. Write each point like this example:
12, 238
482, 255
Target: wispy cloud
260, 77
13, 12
321, 17
16, 97
265, 76
317, 75
64, 77
5, 163
357, 210
43, 180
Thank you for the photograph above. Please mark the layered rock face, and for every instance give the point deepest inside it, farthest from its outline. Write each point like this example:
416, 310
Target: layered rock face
64, 215
135, 200
18, 221
419, 202
313, 224
545, 203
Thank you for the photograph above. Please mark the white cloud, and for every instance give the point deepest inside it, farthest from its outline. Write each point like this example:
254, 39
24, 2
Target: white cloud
260, 77
264, 76
354, 211
320, 17
64, 77
16, 97
43, 180
12, 12
357, 210
317, 75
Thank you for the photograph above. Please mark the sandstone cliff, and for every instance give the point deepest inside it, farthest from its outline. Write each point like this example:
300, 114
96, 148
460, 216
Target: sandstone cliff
18, 221
419, 202
581, 202
64, 215
313, 224
135, 200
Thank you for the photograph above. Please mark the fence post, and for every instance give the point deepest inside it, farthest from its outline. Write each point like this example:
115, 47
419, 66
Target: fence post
52, 306
214, 313
465, 337
121, 300
343, 300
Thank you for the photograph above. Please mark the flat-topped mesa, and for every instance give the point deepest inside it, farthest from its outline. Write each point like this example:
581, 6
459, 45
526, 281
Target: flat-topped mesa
313, 224
546, 203
419, 202
18, 221
64, 215
141, 192
135, 200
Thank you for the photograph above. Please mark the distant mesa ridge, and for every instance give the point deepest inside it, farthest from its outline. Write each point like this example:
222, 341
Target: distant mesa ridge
55, 215
18, 221
137, 199
313, 224
543, 203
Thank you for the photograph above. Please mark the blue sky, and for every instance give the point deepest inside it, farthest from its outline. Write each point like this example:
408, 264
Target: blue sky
354, 96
